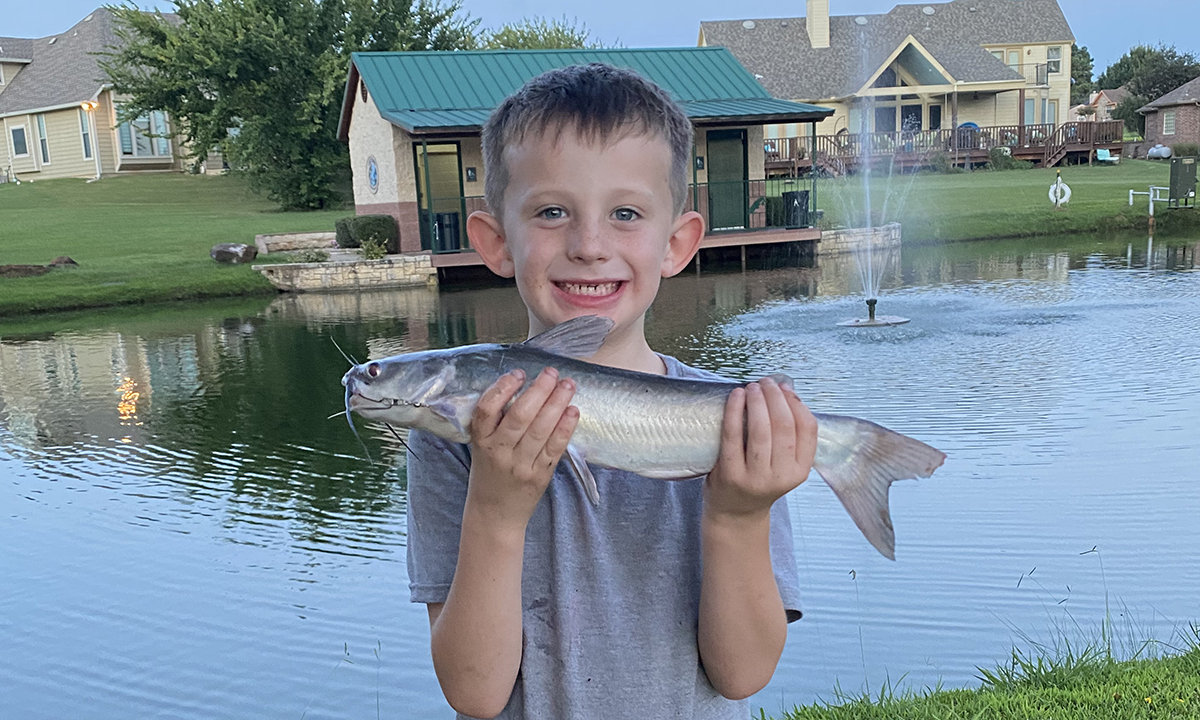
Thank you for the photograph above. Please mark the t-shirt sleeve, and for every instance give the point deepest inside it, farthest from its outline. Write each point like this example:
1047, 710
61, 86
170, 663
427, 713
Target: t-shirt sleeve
437, 491
783, 558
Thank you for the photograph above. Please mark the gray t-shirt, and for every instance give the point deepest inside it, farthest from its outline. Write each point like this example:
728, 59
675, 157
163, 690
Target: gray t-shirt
610, 593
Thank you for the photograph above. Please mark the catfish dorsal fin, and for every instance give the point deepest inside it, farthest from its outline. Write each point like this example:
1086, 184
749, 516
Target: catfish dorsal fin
578, 337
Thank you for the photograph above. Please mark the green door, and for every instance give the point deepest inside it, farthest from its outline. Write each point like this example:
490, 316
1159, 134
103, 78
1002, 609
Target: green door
726, 179
440, 196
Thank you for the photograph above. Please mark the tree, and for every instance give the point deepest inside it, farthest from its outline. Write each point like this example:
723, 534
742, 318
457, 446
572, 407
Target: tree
539, 34
1150, 71
1081, 75
1127, 110
264, 79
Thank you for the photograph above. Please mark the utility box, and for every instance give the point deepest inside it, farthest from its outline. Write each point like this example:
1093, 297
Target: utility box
1183, 183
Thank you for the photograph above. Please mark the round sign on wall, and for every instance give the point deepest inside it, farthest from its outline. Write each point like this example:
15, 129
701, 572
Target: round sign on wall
372, 173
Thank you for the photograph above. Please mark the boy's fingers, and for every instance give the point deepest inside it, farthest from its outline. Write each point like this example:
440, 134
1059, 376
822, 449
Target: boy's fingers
533, 442
556, 444
733, 434
758, 424
490, 408
783, 424
525, 408
806, 430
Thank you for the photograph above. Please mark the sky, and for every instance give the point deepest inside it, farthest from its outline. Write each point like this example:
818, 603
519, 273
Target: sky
1107, 27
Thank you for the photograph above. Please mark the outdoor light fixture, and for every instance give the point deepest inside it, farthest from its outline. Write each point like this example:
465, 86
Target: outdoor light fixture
699, 162
470, 174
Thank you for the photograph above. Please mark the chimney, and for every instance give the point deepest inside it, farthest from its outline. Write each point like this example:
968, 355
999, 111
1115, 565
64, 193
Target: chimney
817, 22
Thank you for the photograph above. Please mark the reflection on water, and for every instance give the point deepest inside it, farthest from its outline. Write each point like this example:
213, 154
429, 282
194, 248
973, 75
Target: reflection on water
187, 532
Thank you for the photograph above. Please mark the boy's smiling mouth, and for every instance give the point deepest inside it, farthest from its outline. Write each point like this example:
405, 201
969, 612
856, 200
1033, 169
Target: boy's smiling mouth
590, 289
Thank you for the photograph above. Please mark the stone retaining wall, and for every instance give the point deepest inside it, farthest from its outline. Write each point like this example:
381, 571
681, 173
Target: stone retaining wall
287, 242
834, 242
390, 272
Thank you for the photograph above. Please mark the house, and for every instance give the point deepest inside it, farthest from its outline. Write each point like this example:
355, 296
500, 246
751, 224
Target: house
58, 114
1174, 118
1105, 101
413, 122
922, 67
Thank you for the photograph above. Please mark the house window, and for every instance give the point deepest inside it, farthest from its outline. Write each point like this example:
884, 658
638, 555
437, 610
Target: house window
145, 136
1014, 60
1052, 112
998, 54
1168, 122
19, 144
1054, 59
1030, 111
43, 141
85, 132
1, 74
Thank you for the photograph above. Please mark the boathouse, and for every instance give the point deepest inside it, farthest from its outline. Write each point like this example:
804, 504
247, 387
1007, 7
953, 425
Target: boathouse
413, 123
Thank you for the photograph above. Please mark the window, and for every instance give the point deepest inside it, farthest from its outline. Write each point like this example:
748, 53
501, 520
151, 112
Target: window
1030, 111
43, 142
85, 132
19, 144
1168, 122
1014, 60
1054, 59
1051, 115
145, 137
1, 74
998, 54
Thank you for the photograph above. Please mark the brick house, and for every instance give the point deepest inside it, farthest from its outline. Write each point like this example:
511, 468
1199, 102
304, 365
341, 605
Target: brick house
1175, 117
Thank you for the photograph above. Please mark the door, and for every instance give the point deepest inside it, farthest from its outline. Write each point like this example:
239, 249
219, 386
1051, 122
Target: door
726, 179
440, 196
910, 118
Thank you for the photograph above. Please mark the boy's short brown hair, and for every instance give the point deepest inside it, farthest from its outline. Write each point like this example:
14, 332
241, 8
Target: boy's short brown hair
599, 102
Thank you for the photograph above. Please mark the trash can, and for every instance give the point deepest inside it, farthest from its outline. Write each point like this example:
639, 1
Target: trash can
795, 208
446, 232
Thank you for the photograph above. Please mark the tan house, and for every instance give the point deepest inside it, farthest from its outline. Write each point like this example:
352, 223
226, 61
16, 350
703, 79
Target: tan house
58, 115
916, 68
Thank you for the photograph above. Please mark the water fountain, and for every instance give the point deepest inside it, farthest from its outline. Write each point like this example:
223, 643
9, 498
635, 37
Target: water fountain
873, 320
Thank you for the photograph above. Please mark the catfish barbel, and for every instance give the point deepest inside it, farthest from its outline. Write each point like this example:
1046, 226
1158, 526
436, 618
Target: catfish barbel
659, 427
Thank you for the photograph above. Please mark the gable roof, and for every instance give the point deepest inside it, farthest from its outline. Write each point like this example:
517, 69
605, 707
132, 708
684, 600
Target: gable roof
62, 70
1186, 94
1114, 96
440, 91
779, 50
15, 49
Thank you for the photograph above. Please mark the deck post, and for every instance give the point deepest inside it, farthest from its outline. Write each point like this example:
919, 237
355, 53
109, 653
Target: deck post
812, 178
743, 258
954, 122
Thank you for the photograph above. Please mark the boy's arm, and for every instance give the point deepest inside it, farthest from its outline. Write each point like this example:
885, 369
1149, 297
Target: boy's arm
476, 633
742, 625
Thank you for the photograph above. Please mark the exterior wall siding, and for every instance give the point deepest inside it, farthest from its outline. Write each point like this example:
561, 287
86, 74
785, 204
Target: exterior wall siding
1187, 126
471, 155
371, 137
28, 164
66, 147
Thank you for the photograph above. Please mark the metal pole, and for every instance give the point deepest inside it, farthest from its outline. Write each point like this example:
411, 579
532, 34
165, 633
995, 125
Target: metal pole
695, 178
812, 176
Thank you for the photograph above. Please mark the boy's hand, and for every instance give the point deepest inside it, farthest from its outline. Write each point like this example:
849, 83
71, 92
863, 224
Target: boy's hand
515, 449
768, 440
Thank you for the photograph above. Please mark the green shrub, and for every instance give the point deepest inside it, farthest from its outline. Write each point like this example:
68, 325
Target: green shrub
999, 159
374, 248
379, 228
940, 162
311, 256
1185, 150
344, 233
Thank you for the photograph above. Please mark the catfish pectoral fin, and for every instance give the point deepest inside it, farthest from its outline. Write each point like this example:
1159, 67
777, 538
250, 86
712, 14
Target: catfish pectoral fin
584, 473
860, 460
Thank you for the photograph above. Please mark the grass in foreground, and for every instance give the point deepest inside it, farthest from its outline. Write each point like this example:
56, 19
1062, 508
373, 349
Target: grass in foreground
1013, 203
137, 239
1090, 685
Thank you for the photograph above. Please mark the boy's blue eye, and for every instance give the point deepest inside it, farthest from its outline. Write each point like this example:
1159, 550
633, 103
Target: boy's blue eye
625, 214
552, 213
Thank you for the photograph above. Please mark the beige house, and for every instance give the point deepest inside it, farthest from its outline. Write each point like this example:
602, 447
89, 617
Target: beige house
921, 67
58, 114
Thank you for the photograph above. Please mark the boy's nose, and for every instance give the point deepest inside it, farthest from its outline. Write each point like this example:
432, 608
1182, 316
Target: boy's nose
587, 243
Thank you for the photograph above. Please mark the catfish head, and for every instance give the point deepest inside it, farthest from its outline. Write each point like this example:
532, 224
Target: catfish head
425, 390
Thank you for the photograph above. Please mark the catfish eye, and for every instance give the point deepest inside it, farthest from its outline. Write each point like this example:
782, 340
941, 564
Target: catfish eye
373, 370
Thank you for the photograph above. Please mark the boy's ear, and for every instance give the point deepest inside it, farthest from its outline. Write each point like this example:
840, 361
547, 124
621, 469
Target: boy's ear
487, 238
686, 234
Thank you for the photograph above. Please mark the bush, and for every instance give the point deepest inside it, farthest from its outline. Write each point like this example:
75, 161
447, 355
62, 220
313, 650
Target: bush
344, 234
311, 256
356, 231
377, 228
373, 248
1185, 150
998, 159
940, 162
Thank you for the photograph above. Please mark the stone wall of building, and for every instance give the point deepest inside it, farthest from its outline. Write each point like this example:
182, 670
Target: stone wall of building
834, 242
390, 272
1187, 126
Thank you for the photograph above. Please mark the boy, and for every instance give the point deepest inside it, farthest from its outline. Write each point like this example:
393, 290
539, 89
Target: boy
542, 605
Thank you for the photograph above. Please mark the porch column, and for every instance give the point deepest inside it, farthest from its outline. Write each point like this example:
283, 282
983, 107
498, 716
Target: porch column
1021, 117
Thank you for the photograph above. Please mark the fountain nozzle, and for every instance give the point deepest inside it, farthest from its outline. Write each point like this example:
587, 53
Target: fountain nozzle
872, 320
871, 308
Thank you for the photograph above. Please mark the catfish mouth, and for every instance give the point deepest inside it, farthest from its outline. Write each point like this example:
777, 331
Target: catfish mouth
359, 403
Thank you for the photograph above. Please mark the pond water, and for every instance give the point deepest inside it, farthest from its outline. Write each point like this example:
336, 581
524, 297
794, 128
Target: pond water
186, 534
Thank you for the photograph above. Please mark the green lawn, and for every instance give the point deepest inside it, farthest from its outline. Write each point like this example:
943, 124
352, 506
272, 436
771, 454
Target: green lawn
136, 239
1012, 203
1092, 687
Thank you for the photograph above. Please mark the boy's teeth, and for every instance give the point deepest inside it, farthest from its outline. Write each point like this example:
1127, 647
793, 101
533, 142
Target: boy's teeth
607, 288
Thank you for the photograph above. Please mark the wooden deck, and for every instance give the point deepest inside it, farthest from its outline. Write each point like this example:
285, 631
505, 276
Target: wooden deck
1044, 145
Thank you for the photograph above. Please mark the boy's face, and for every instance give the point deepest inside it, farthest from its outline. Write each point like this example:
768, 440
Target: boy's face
591, 228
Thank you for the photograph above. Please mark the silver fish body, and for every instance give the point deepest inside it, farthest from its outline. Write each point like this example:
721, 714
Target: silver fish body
655, 426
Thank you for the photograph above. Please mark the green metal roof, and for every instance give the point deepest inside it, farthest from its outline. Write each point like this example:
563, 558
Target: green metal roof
437, 91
